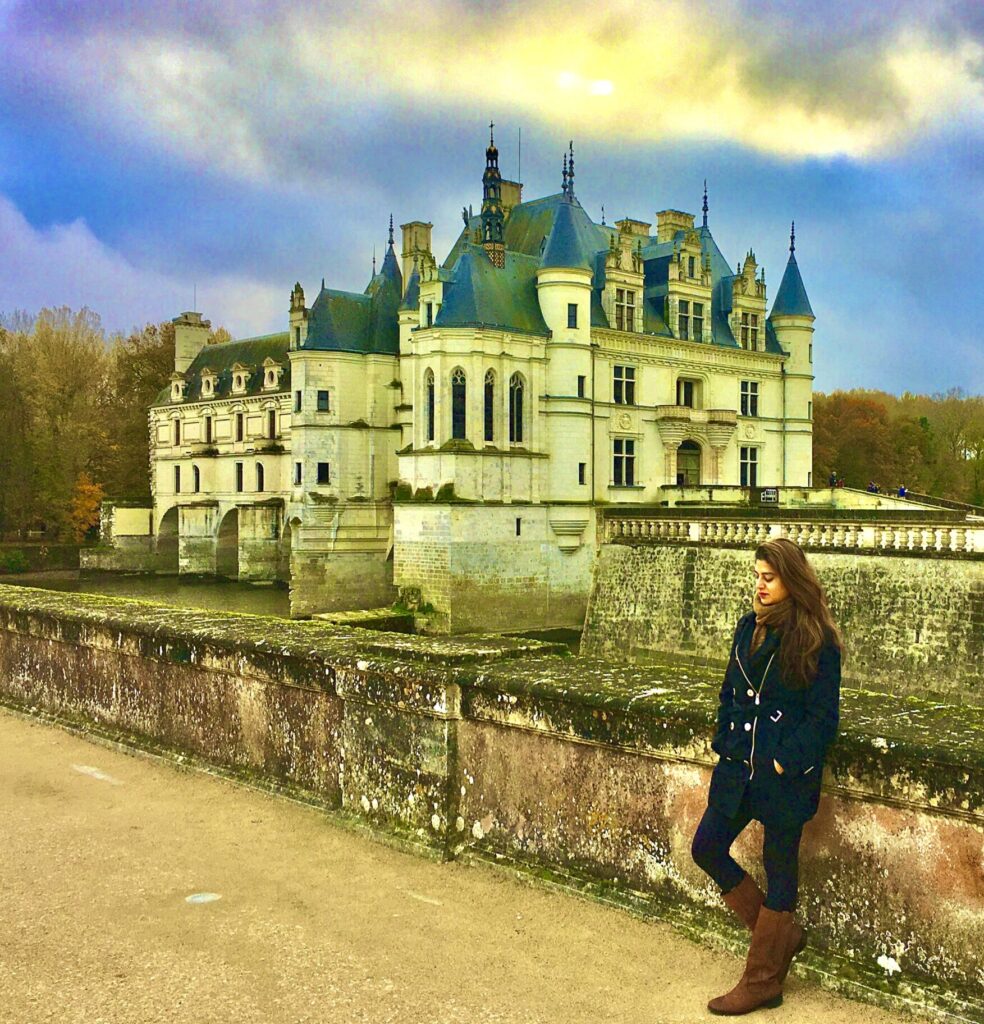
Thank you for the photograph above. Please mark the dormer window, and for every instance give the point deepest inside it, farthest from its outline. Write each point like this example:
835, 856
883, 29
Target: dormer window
210, 382
271, 374
178, 387
240, 378
750, 331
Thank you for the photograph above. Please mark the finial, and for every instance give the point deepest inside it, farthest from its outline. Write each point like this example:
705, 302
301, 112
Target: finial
570, 171
705, 202
491, 135
792, 237
564, 188
602, 214
322, 284
373, 261
391, 229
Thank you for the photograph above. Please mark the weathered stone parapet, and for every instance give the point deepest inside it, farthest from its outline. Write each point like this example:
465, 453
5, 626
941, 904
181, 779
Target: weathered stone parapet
912, 624
581, 770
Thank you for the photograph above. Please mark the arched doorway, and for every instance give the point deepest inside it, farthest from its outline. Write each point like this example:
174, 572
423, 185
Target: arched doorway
167, 541
227, 546
688, 464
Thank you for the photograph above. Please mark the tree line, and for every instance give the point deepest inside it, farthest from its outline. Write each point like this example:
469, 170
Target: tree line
74, 406
74, 425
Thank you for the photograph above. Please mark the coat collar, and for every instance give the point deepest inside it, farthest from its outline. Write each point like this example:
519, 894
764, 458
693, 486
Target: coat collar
768, 646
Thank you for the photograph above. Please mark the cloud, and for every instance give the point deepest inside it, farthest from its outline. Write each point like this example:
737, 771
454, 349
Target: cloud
259, 94
66, 265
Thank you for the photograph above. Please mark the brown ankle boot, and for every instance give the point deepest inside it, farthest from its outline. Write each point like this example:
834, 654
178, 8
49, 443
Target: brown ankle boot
745, 899
760, 985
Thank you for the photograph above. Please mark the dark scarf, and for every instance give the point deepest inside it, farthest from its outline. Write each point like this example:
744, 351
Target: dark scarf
772, 616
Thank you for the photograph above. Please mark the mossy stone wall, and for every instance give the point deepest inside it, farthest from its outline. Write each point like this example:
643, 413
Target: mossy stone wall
579, 770
911, 624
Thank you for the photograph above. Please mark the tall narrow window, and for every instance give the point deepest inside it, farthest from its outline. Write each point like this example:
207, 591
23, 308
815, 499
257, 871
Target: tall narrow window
623, 462
298, 474
691, 266
572, 314
196, 479
271, 423
623, 385
581, 384
240, 424
429, 402
458, 399
177, 432
429, 314
624, 309
582, 472
239, 476
749, 331
177, 479
322, 401
259, 476
298, 396
208, 429
490, 406
516, 408
324, 473
748, 466
809, 410
683, 319
698, 321
297, 336
749, 398
685, 393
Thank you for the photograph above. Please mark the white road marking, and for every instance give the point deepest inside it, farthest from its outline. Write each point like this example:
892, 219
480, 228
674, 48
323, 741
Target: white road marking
95, 773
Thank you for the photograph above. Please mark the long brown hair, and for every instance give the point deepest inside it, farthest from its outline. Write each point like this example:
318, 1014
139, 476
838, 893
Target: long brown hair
809, 624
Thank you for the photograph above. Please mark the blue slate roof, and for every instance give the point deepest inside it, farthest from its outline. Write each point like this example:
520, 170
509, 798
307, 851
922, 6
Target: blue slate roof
571, 242
220, 359
411, 300
481, 295
791, 299
347, 322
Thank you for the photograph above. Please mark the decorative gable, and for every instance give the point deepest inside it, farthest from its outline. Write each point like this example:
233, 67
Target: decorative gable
240, 378
210, 382
179, 387
272, 371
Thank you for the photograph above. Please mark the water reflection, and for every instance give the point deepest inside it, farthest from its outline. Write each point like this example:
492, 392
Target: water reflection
181, 591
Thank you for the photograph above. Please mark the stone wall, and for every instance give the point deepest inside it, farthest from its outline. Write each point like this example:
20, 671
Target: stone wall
499, 567
911, 624
589, 773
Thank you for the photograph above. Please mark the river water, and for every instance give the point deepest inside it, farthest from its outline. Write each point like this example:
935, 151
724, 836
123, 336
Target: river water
182, 591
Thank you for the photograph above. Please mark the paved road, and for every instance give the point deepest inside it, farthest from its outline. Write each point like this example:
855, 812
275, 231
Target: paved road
100, 852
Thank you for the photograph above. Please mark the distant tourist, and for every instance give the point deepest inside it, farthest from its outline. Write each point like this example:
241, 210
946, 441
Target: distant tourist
872, 487
903, 492
840, 482
778, 714
832, 479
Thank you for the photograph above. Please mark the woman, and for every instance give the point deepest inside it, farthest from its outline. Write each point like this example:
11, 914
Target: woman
777, 715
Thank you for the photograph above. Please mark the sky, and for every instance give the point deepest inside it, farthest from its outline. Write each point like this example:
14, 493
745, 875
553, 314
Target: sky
160, 156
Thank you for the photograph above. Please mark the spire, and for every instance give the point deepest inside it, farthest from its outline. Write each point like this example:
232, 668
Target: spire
603, 214
492, 215
791, 299
373, 261
564, 187
391, 230
705, 202
570, 174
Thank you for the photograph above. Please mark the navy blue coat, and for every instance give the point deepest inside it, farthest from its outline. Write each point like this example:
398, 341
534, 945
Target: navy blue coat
760, 720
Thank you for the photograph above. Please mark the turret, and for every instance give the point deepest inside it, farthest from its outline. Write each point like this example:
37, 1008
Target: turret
792, 321
493, 216
190, 337
298, 317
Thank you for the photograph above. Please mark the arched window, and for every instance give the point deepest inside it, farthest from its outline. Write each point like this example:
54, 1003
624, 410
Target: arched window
515, 408
196, 479
458, 403
490, 406
259, 476
429, 403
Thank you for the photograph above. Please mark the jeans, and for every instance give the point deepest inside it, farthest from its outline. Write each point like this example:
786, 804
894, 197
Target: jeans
780, 854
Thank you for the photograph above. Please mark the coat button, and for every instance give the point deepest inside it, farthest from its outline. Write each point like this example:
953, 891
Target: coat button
748, 727
751, 693
732, 725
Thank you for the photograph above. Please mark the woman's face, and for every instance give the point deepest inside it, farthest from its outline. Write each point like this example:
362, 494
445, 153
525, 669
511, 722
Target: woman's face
769, 588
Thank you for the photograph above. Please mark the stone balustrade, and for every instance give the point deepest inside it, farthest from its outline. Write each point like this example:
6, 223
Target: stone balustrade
941, 539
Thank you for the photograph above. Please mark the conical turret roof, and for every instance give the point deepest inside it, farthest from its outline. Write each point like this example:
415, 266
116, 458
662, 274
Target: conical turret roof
571, 242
